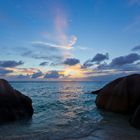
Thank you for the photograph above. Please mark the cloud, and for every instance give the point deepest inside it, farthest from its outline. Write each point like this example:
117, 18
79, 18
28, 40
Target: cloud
50, 45
126, 67
21, 76
44, 52
53, 75
4, 71
100, 57
10, 63
103, 66
123, 60
109, 76
53, 64
131, 67
71, 61
127, 64
72, 41
60, 25
57, 45
43, 64
24, 71
37, 75
136, 48
87, 64
122, 63
58, 48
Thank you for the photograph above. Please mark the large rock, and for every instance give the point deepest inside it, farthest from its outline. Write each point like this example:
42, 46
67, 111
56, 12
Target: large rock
121, 95
13, 104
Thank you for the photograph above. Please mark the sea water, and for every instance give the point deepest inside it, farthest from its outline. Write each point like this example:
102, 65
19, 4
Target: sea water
62, 110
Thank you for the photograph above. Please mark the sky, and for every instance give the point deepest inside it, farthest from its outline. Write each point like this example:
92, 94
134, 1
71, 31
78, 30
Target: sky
69, 39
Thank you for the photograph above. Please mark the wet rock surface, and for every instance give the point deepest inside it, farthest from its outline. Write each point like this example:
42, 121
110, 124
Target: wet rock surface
13, 104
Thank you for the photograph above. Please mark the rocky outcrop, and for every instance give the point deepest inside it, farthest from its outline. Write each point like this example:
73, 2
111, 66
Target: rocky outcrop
122, 96
13, 104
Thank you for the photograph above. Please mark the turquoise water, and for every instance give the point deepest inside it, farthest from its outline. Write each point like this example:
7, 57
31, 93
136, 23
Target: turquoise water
62, 110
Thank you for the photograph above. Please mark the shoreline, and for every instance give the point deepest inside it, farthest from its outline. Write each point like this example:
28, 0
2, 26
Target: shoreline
112, 127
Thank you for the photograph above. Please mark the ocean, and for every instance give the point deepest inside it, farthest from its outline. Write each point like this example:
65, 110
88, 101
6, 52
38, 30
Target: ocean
66, 111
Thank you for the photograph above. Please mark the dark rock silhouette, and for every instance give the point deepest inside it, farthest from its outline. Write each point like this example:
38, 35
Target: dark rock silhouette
122, 96
96, 92
13, 104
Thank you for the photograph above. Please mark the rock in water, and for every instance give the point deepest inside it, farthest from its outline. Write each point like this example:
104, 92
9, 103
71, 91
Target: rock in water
13, 104
121, 95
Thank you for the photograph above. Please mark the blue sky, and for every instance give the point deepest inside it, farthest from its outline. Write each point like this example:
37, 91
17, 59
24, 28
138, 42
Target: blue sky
69, 39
